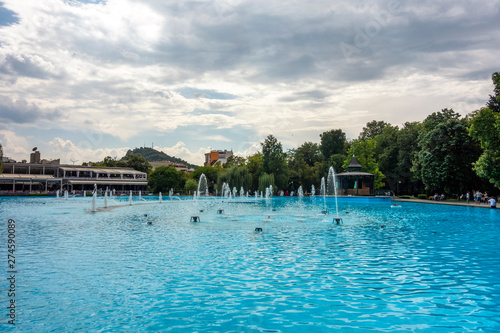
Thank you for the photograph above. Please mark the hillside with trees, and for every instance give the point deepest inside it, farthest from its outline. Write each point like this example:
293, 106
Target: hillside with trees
153, 155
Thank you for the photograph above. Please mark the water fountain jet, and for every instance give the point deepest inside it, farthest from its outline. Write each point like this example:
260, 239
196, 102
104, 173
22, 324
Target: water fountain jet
322, 191
202, 185
105, 199
332, 187
94, 202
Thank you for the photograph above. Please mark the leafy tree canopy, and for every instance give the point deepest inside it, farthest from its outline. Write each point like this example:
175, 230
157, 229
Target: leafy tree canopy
274, 161
134, 161
233, 161
255, 165
138, 162
191, 185
437, 118
153, 155
305, 164
237, 176
408, 147
163, 178
266, 180
210, 172
386, 153
446, 153
372, 129
309, 152
337, 162
485, 127
112, 162
494, 101
333, 142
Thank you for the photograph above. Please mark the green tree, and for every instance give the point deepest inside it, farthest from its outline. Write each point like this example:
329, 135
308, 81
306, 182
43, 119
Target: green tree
372, 129
255, 165
494, 101
138, 162
444, 161
111, 162
163, 178
407, 148
274, 161
485, 127
210, 172
365, 150
437, 118
333, 142
266, 180
191, 185
233, 161
237, 176
304, 165
386, 154
336, 161
310, 152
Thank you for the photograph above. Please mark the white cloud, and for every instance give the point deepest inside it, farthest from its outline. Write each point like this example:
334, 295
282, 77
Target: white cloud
252, 149
14, 146
181, 151
83, 151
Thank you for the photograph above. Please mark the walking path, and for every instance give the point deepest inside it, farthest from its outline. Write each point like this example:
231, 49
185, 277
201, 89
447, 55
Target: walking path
452, 203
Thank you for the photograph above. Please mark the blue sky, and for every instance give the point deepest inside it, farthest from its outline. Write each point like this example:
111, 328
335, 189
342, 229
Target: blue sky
81, 80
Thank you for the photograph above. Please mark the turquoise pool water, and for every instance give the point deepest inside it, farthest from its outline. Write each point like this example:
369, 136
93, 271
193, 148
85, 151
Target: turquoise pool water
422, 268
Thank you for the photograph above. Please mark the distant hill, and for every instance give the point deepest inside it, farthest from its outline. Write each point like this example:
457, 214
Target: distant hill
153, 155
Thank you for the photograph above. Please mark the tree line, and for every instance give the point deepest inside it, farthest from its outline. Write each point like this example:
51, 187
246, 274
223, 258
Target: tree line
445, 153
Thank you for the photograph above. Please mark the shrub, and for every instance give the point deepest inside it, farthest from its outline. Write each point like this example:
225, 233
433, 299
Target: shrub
422, 196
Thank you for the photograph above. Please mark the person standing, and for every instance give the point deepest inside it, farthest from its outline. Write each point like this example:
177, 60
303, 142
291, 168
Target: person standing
493, 203
467, 196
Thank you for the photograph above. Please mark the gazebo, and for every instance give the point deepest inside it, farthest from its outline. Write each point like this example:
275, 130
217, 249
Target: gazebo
354, 181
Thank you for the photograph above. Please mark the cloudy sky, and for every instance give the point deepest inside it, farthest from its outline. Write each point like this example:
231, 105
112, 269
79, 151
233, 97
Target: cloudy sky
85, 79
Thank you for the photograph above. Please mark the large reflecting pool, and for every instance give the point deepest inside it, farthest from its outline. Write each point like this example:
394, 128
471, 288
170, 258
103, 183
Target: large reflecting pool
417, 267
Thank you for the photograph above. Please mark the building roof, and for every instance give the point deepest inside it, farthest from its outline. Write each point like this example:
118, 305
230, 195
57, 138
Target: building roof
354, 164
102, 170
112, 170
32, 165
107, 182
16, 177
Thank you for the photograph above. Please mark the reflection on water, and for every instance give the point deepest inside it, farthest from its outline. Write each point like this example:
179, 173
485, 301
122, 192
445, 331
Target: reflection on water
419, 267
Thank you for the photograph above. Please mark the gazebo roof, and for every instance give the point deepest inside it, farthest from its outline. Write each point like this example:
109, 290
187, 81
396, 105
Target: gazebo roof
354, 164
354, 173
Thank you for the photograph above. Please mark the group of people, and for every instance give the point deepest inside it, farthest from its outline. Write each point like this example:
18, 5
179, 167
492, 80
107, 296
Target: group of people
480, 198
437, 197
